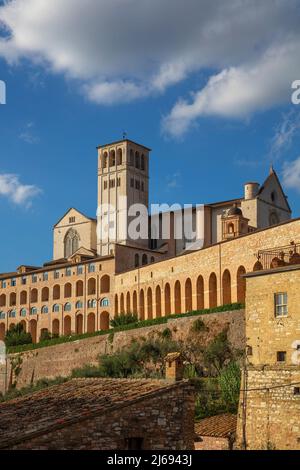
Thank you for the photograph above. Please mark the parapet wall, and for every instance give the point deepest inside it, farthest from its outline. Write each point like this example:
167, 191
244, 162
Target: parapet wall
61, 359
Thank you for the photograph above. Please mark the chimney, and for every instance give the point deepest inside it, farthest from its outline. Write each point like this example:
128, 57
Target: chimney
174, 366
251, 190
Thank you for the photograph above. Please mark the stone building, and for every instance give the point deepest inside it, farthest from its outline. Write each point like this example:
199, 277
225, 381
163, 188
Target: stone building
269, 412
101, 414
216, 432
93, 278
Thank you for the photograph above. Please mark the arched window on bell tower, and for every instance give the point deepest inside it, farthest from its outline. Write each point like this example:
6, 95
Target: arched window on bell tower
71, 242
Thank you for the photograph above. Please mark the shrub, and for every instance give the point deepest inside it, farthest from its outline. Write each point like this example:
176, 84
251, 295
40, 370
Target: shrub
217, 352
199, 326
124, 319
230, 381
17, 336
166, 333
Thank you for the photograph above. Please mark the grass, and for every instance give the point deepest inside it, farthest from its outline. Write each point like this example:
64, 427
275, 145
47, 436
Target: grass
130, 326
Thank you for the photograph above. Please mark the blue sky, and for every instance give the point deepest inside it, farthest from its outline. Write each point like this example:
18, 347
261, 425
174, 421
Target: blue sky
207, 139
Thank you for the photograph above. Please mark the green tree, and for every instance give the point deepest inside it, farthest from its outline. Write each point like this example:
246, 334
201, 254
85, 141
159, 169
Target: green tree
124, 319
16, 335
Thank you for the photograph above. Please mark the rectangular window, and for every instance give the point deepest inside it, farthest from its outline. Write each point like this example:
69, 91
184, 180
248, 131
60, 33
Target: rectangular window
105, 185
142, 186
280, 304
119, 182
137, 184
34, 278
3, 284
45, 276
13, 282
281, 356
56, 274
68, 272
132, 183
71, 220
80, 269
24, 280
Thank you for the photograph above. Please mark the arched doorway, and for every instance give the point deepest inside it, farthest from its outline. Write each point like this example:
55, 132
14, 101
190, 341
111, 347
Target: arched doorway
122, 308
226, 287
200, 293
213, 299
55, 327
177, 297
79, 288
104, 321
241, 285
134, 301
79, 324
142, 305
91, 323
188, 296
2, 331
116, 305
67, 325
167, 299
158, 301
149, 304
33, 330
128, 302
23, 323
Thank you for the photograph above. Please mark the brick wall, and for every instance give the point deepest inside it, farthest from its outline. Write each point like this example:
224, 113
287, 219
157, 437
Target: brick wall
59, 360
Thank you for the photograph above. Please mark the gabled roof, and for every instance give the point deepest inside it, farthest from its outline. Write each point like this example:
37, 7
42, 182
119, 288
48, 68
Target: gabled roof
216, 426
271, 175
74, 209
53, 408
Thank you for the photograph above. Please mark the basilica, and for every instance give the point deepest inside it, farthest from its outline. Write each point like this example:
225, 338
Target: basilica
93, 277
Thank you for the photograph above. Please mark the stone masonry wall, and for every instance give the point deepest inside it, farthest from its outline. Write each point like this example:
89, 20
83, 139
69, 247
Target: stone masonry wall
272, 416
165, 421
61, 359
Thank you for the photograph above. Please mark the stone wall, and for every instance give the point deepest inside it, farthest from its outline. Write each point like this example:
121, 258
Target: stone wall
270, 416
165, 421
59, 360
212, 443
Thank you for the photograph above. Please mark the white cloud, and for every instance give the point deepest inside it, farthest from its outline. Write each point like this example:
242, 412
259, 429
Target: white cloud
122, 50
28, 135
237, 92
173, 180
285, 132
15, 191
291, 174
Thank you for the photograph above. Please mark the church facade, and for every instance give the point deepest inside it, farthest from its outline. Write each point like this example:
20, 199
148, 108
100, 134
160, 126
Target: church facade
96, 274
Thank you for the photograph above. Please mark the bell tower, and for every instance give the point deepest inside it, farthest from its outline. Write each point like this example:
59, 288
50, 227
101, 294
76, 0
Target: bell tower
123, 180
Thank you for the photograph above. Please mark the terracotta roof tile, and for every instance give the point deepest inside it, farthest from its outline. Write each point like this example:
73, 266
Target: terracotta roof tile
70, 402
216, 426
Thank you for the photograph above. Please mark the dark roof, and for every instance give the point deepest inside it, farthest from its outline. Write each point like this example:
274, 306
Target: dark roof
217, 426
76, 400
123, 140
280, 269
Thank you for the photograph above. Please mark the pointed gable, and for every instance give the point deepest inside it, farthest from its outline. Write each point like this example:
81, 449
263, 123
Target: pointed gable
69, 216
272, 192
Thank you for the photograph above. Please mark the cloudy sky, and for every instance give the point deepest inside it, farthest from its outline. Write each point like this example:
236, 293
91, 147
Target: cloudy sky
205, 83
